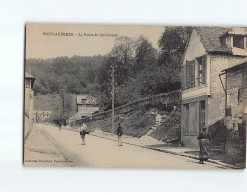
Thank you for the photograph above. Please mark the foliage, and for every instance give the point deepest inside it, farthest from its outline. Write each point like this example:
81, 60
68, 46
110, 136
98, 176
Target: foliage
140, 70
73, 75
137, 123
172, 44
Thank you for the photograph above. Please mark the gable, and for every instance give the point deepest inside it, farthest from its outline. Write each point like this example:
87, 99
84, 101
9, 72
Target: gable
237, 31
194, 48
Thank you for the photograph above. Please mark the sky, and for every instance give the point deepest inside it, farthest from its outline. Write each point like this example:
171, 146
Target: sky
50, 40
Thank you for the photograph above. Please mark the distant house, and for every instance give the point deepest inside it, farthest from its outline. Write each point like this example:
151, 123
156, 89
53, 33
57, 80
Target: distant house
209, 51
86, 107
28, 109
42, 115
86, 104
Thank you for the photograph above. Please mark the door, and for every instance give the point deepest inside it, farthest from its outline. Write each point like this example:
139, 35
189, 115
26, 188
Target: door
202, 115
193, 127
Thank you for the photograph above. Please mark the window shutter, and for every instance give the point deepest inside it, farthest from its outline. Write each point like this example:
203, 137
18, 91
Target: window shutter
183, 77
204, 69
190, 73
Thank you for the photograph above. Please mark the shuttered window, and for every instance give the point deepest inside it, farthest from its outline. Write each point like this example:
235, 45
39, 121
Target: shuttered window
202, 70
190, 74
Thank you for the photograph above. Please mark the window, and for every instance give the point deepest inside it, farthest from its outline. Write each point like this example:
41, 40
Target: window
83, 101
190, 74
201, 70
238, 41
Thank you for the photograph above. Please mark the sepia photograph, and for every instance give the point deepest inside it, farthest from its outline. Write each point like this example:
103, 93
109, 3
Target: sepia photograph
135, 96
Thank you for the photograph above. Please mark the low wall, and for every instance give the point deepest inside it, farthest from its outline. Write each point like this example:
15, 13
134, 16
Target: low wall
164, 98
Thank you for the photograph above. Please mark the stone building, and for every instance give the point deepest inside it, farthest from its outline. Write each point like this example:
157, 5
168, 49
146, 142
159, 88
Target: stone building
235, 87
209, 51
28, 109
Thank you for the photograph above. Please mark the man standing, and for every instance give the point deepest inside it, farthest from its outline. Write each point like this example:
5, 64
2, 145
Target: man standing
83, 131
119, 133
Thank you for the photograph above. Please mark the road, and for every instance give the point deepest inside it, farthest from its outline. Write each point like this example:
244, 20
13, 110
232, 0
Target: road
49, 146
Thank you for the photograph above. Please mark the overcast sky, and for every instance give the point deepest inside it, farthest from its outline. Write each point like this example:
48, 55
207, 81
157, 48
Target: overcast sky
40, 43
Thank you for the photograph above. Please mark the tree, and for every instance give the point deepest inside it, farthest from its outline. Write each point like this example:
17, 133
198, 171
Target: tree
173, 42
122, 58
145, 55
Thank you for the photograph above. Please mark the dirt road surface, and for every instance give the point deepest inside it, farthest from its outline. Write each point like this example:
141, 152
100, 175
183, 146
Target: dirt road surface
49, 146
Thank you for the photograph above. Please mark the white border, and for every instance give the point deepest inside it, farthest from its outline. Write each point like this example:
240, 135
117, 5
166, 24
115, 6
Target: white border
13, 16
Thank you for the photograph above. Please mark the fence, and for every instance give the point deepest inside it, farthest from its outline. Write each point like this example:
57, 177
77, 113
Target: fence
164, 98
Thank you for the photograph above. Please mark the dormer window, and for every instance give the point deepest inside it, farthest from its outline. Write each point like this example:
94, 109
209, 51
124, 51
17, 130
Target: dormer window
238, 41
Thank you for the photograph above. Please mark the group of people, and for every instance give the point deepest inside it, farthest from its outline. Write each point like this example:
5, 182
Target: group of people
84, 130
203, 138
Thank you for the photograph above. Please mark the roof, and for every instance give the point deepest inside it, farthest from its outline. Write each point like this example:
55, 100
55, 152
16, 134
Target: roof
210, 38
236, 31
242, 62
29, 76
88, 99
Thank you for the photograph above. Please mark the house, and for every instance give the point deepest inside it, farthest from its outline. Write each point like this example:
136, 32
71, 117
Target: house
209, 51
42, 115
28, 109
86, 104
235, 87
86, 107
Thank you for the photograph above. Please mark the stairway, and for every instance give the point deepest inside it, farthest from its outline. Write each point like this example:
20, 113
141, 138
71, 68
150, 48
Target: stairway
158, 121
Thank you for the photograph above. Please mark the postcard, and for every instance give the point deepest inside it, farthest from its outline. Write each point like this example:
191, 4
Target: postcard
129, 96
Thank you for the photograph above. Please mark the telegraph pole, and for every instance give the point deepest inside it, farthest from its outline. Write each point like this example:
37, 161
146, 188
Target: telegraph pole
113, 88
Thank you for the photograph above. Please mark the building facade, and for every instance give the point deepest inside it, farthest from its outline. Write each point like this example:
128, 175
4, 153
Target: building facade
86, 107
209, 51
42, 115
236, 101
28, 109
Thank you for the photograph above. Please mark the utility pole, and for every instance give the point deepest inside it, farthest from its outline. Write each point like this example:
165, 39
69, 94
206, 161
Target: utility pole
113, 88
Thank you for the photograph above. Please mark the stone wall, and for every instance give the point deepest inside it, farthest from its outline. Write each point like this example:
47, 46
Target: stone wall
164, 98
216, 103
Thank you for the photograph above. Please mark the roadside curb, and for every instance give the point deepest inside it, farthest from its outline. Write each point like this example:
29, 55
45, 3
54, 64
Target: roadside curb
174, 153
167, 151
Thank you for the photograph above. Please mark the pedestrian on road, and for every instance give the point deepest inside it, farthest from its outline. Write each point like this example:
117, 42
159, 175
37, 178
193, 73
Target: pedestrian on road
83, 131
203, 138
119, 133
60, 125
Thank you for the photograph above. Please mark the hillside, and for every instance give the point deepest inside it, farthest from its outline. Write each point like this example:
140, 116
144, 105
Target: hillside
170, 130
137, 123
53, 102
46, 102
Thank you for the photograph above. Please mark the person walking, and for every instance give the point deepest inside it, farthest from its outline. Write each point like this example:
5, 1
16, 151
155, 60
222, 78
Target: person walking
203, 138
60, 125
83, 131
119, 134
